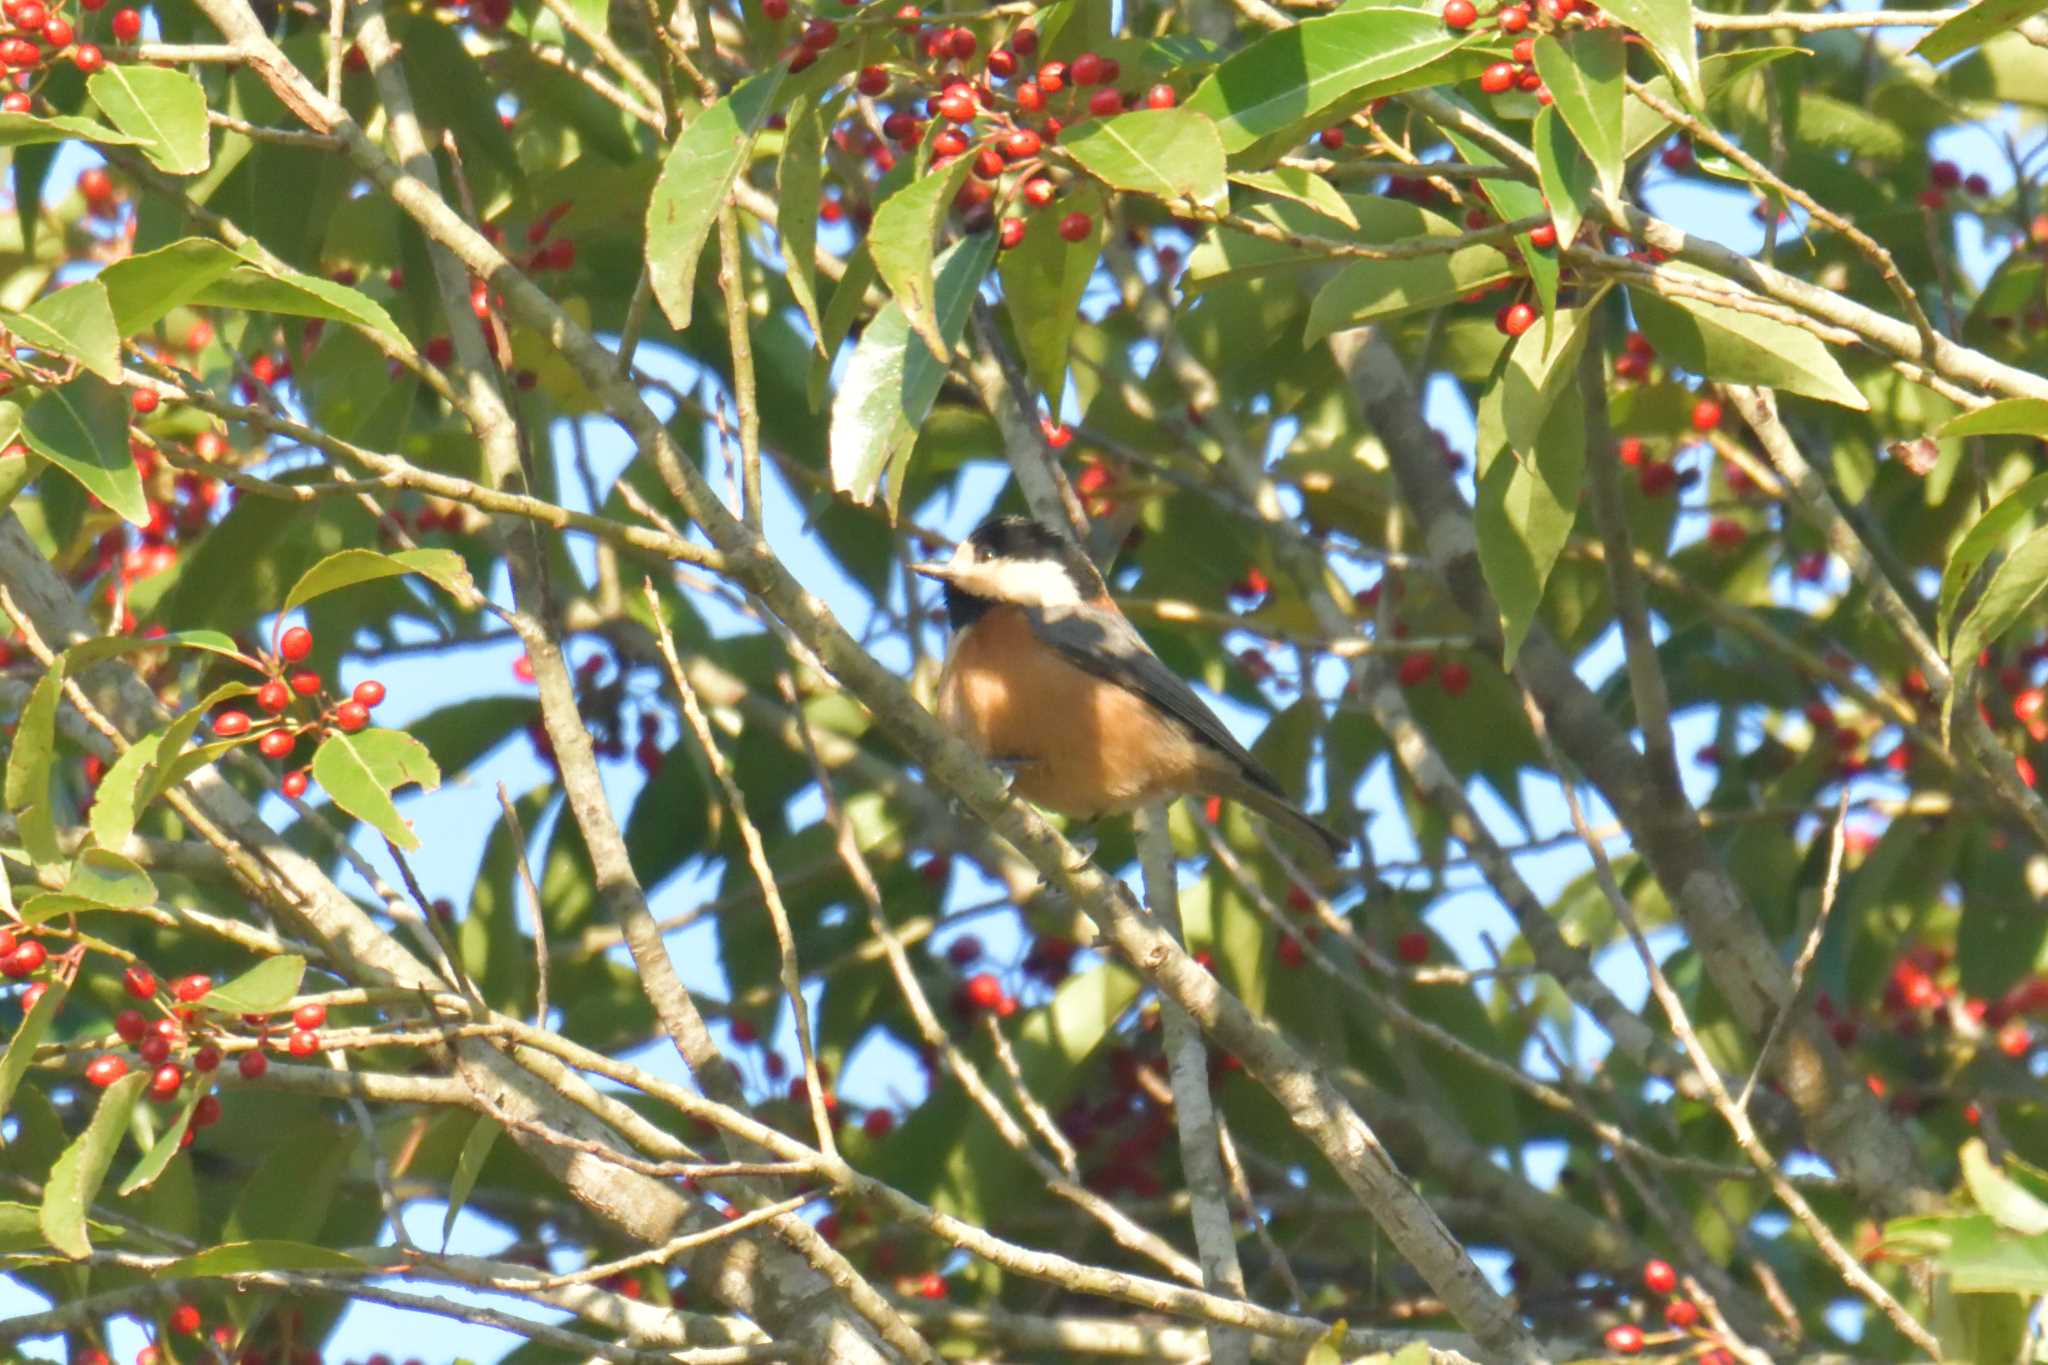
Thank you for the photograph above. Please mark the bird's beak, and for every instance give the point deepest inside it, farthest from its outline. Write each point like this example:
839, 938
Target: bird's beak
938, 569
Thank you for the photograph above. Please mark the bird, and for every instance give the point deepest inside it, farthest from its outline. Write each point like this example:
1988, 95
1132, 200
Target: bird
1046, 678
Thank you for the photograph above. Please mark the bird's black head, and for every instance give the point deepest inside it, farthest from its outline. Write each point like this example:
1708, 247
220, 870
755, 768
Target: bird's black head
1015, 560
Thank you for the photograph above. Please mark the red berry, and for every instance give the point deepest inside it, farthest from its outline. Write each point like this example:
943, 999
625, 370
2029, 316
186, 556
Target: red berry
1105, 102
303, 1042
1976, 185
1331, 138
1454, 677
273, 696
309, 1016
126, 25
1085, 69
252, 1065
1010, 233
1289, 952
229, 724
185, 1319
190, 989
87, 58
95, 184
1038, 192
369, 692
165, 1080
1515, 318
1497, 78
105, 1069
1624, 1339
1412, 947
1543, 236
775, 10
1629, 450
1460, 14
1052, 77
1943, 175
820, 34
1076, 226
1514, 19
1725, 533
877, 1123
144, 401
1024, 41
873, 81
1022, 144
154, 1049
295, 783
131, 1026
206, 1113
1681, 1313
295, 644
1656, 478
17, 102
305, 682
351, 716
961, 44
983, 991
1706, 415
139, 982
206, 1058
57, 33
277, 743
1030, 97
27, 958
1160, 97
1002, 63
1659, 1277
1415, 669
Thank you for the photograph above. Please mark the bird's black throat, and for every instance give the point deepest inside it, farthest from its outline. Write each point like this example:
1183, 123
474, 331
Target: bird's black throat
964, 608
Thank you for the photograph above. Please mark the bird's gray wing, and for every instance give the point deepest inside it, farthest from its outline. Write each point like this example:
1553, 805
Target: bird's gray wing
1101, 642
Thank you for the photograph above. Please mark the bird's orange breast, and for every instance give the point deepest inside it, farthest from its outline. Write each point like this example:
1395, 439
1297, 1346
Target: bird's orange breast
1079, 745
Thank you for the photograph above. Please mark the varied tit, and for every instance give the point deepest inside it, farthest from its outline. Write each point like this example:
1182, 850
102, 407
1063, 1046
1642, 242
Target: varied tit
1047, 678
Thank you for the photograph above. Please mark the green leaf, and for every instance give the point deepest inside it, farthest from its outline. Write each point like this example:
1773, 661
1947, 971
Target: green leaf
1979, 543
264, 989
901, 242
75, 322
1977, 1254
143, 288
893, 379
361, 771
1512, 201
113, 804
2014, 586
76, 1178
175, 762
22, 130
1225, 253
35, 737
346, 568
799, 179
21, 1048
1175, 155
21, 1231
166, 1146
1537, 374
256, 288
1974, 27
1527, 502
1666, 25
2007, 417
1296, 73
2011, 1206
1741, 348
103, 877
1562, 172
476, 1150
1044, 277
196, 271
161, 108
82, 428
1301, 186
1584, 74
1365, 290
696, 177
237, 1258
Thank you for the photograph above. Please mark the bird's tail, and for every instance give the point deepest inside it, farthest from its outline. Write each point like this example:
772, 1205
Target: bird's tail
1289, 817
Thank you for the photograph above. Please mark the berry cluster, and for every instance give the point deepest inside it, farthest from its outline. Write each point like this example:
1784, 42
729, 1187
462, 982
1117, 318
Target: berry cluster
276, 732
1000, 112
1523, 22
